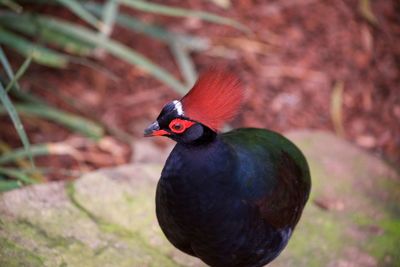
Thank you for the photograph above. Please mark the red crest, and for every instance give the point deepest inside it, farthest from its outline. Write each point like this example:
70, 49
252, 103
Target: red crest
214, 100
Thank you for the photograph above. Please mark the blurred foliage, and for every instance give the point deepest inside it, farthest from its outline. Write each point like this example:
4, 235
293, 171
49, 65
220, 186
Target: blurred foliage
54, 41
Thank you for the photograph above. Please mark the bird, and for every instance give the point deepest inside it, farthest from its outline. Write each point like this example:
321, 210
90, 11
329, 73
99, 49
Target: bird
231, 199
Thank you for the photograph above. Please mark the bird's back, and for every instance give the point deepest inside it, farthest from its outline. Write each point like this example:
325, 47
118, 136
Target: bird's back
272, 172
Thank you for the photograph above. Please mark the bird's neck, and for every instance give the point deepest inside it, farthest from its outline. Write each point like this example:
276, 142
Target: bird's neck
205, 145
198, 136
195, 161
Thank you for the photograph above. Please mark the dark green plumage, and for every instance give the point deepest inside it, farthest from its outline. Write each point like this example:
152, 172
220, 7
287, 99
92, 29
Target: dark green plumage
235, 200
268, 152
231, 199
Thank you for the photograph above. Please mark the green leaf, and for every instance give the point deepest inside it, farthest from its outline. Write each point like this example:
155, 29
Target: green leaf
156, 32
82, 13
16, 154
182, 12
185, 63
7, 67
191, 42
14, 6
17, 174
66, 43
115, 48
37, 107
27, 97
103, 70
73, 122
7, 185
30, 26
109, 14
20, 72
39, 54
9, 107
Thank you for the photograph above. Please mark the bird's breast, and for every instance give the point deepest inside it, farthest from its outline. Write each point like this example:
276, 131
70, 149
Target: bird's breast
196, 179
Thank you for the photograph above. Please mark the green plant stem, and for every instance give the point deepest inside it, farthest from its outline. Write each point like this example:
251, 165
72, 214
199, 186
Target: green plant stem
12, 112
19, 73
16, 154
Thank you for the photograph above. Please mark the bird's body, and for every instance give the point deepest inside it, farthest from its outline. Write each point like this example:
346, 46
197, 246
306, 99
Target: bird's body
216, 200
231, 199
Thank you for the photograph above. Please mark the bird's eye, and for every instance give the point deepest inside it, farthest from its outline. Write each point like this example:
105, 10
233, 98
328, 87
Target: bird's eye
179, 125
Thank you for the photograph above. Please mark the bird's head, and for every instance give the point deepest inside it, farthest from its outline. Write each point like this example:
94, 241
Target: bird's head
198, 116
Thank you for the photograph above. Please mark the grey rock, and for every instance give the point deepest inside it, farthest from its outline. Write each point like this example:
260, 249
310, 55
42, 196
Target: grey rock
107, 218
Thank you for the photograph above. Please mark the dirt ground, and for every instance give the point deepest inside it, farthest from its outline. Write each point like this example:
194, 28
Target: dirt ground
300, 54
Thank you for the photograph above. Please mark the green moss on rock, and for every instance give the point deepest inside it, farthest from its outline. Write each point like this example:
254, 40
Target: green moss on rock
14, 255
107, 218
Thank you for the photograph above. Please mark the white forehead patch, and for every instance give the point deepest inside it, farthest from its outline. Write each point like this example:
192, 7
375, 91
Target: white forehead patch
178, 107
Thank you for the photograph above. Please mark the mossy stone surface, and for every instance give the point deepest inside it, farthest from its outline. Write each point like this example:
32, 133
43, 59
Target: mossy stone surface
107, 218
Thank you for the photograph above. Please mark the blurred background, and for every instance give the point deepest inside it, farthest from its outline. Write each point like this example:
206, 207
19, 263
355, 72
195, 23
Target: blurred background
80, 80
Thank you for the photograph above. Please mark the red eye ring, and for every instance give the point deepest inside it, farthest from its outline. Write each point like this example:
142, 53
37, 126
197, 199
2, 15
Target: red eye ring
179, 125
